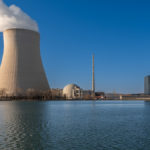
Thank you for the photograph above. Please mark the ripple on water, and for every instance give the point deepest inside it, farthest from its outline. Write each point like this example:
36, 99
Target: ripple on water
75, 125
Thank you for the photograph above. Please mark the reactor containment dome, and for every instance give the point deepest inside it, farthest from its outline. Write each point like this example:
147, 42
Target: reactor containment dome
72, 91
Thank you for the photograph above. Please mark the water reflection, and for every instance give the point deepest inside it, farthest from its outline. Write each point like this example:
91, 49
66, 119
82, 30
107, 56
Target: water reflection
75, 125
25, 125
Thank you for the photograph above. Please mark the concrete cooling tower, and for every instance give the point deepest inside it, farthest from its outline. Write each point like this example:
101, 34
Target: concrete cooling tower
21, 68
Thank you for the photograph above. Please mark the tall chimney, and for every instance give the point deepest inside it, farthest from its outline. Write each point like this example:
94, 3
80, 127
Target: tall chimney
93, 75
21, 67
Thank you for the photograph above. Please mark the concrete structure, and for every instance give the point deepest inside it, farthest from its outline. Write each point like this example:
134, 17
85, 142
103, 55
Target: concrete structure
93, 75
57, 92
147, 85
87, 94
21, 68
72, 91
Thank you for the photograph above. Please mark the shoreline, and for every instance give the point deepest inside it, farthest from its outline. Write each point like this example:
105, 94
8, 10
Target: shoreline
42, 100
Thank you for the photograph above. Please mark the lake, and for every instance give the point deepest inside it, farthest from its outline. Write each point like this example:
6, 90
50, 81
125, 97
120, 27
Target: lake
75, 125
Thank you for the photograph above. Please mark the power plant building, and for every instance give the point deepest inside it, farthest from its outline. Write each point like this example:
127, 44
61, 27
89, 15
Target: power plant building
72, 91
147, 85
21, 68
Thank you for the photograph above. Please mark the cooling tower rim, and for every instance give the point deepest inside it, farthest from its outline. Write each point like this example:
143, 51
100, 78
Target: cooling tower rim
20, 29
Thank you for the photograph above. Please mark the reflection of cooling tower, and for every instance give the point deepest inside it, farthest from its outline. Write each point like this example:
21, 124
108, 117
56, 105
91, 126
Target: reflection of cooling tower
21, 67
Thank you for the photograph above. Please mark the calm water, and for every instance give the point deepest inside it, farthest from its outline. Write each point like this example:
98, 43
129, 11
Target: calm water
75, 125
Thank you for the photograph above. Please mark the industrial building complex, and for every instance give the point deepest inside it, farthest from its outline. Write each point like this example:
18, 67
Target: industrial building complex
22, 72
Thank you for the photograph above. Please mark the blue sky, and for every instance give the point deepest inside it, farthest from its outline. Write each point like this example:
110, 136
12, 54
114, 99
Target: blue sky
116, 31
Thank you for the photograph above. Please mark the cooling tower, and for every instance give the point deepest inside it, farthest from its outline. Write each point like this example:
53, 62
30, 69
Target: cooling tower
21, 68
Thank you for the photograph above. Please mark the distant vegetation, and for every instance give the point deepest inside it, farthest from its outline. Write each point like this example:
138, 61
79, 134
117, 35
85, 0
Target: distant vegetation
32, 94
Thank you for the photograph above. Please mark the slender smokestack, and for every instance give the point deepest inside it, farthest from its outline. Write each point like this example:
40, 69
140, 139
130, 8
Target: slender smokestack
21, 68
93, 75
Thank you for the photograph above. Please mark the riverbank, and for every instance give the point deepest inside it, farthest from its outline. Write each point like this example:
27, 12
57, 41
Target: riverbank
48, 99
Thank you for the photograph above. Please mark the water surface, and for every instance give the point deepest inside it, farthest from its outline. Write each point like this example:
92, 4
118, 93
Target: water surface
75, 125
